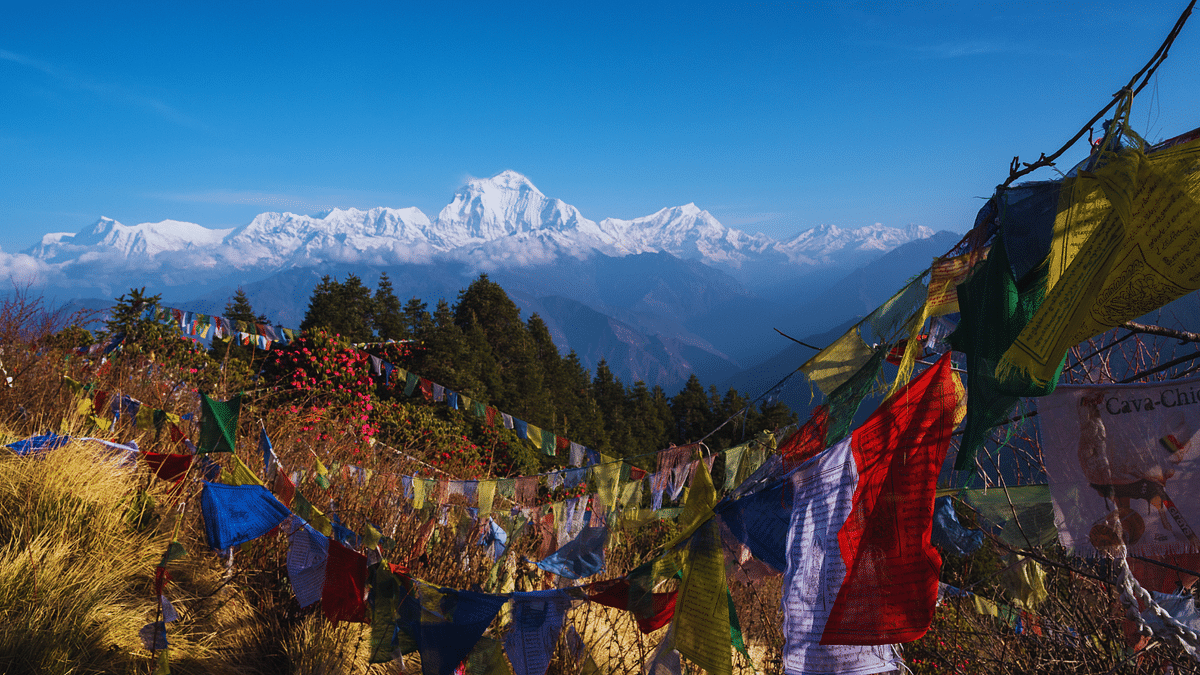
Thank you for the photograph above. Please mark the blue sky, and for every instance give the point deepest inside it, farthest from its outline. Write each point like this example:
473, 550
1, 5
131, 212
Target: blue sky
774, 117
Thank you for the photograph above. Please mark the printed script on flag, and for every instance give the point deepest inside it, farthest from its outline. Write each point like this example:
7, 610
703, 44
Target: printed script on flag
1122, 465
823, 489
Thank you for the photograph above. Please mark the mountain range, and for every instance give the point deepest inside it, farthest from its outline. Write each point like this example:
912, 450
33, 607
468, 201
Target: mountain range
659, 297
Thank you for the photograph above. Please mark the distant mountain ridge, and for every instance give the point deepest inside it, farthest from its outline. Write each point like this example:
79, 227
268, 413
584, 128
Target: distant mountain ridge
501, 222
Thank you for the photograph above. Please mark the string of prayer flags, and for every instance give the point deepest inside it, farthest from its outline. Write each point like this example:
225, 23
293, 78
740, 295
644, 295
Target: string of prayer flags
234, 514
537, 622
860, 527
343, 597
306, 559
218, 425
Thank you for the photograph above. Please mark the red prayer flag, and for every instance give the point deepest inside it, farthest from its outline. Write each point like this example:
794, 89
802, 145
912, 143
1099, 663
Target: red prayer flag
168, 467
344, 597
891, 583
616, 594
285, 490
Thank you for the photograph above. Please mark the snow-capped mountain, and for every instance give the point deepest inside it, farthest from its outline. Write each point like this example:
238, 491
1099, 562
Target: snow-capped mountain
494, 223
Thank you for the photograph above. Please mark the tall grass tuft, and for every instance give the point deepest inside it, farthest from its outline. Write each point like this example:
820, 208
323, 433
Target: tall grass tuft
76, 578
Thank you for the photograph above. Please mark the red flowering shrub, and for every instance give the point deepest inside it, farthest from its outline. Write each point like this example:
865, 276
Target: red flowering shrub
326, 384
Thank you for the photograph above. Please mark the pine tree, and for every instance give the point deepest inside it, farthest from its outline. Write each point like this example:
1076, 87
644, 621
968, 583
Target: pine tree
236, 309
133, 316
389, 317
417, 321
692, 411
346, 308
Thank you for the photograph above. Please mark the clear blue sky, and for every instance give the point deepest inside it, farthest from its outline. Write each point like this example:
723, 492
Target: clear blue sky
774, 117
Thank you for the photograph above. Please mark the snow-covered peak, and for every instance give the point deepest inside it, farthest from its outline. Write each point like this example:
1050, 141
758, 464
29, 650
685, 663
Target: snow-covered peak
688, 232
143, 240
508, 203
823, 241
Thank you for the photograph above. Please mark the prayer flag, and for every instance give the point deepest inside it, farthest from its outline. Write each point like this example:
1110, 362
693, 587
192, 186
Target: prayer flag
1122, 461
445, 624
537, 622
702, 613
581, 557
1126, 242
343, 597
168, 467
306, 559
234, 514
322, 475
218, 426
264, 446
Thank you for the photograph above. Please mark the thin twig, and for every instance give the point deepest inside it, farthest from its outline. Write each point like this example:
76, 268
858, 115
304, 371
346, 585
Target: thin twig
1130, 89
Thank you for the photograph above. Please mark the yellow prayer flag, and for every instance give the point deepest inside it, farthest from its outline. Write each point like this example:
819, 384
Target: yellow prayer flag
145, 417
832, 366
702, 613
486, 491
607, 474
535, 436
371, 536
418, 486
945, 276
1126, 242
240, 474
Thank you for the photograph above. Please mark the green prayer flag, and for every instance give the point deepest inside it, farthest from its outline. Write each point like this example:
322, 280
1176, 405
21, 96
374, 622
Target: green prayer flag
410, 383
385, 592
549, 443
175, 551
995, 308
218, 426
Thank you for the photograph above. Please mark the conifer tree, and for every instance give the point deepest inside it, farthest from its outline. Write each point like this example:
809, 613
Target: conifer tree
346, 308
692, 411
389, 317
133, 316
237, 308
